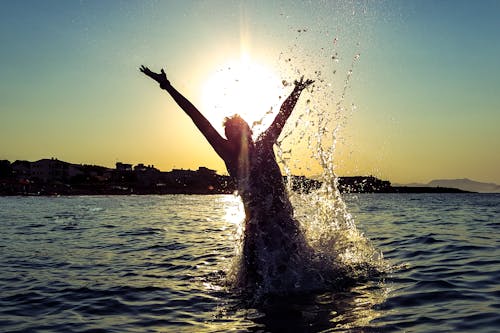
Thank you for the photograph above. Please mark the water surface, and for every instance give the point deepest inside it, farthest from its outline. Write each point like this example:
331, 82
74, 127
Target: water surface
157, 263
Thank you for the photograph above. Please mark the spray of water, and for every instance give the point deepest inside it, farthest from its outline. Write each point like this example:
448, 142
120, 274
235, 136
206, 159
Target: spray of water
338, 246
334, 252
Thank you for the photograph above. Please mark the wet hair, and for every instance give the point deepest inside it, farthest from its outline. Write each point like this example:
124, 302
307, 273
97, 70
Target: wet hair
236, 123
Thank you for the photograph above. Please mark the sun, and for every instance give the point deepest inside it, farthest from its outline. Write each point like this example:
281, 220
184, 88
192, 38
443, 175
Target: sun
243, 87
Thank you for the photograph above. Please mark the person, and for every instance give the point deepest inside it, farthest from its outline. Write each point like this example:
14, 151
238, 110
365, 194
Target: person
272, 241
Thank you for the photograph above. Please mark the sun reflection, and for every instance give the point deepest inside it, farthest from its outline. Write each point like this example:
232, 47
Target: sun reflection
234, 211
358, 306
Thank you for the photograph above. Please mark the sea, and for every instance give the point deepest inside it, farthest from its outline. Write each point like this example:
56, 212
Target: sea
159, 264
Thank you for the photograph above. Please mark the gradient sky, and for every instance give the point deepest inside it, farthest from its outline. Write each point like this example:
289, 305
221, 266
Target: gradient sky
426, 87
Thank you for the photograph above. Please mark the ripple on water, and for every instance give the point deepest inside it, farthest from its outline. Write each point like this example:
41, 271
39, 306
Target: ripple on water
148, 272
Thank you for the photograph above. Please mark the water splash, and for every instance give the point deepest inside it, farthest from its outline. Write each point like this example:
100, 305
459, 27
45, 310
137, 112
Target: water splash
330, 230
334, 253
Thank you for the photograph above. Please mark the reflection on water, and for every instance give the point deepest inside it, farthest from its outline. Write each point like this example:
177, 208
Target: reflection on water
348, 310
234, 212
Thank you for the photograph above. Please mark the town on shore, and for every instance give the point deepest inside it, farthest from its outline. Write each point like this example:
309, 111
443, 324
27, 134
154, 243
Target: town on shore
55, 177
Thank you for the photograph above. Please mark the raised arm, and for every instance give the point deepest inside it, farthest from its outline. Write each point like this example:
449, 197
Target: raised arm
274, 131
213, 137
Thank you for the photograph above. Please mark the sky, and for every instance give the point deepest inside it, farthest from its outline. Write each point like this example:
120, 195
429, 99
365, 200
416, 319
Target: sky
410, 89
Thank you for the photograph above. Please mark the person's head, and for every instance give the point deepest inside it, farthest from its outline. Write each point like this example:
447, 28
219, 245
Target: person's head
237, 129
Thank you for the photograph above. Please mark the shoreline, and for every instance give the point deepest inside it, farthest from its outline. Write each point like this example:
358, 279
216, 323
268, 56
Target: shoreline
54, 177
75, 192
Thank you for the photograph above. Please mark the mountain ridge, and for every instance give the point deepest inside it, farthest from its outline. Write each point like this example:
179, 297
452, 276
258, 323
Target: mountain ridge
460, 183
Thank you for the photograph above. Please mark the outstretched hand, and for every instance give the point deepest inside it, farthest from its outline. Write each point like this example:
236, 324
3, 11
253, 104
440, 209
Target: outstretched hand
161, 77
301, 84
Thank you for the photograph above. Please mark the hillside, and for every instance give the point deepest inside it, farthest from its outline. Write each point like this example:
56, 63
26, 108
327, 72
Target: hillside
463, 184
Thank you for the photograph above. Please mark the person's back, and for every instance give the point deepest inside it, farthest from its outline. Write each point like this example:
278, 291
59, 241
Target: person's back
273, 243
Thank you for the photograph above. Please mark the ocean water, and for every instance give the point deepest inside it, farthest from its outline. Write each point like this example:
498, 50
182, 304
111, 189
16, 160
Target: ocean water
158, 263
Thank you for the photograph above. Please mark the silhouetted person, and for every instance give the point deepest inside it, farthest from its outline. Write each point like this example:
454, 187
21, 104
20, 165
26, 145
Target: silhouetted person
273, 243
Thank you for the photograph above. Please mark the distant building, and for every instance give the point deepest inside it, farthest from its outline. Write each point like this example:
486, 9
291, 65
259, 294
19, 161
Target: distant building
96, 172
21, 169
123, 166
181, 173
45, 170
5, 169
146, 175
143, 168
52, 169
206, 171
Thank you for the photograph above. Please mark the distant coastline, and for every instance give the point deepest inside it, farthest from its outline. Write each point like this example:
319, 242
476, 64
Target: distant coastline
55, 177
463, 184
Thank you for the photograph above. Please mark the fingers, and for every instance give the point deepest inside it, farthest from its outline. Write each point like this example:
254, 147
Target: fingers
301, 84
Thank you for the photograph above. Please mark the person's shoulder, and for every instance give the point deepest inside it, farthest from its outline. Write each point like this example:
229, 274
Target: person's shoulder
264, 146
264, 139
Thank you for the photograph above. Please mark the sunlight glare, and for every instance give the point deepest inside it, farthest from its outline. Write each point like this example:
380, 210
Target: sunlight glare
234, 211
234, 214
246, 88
